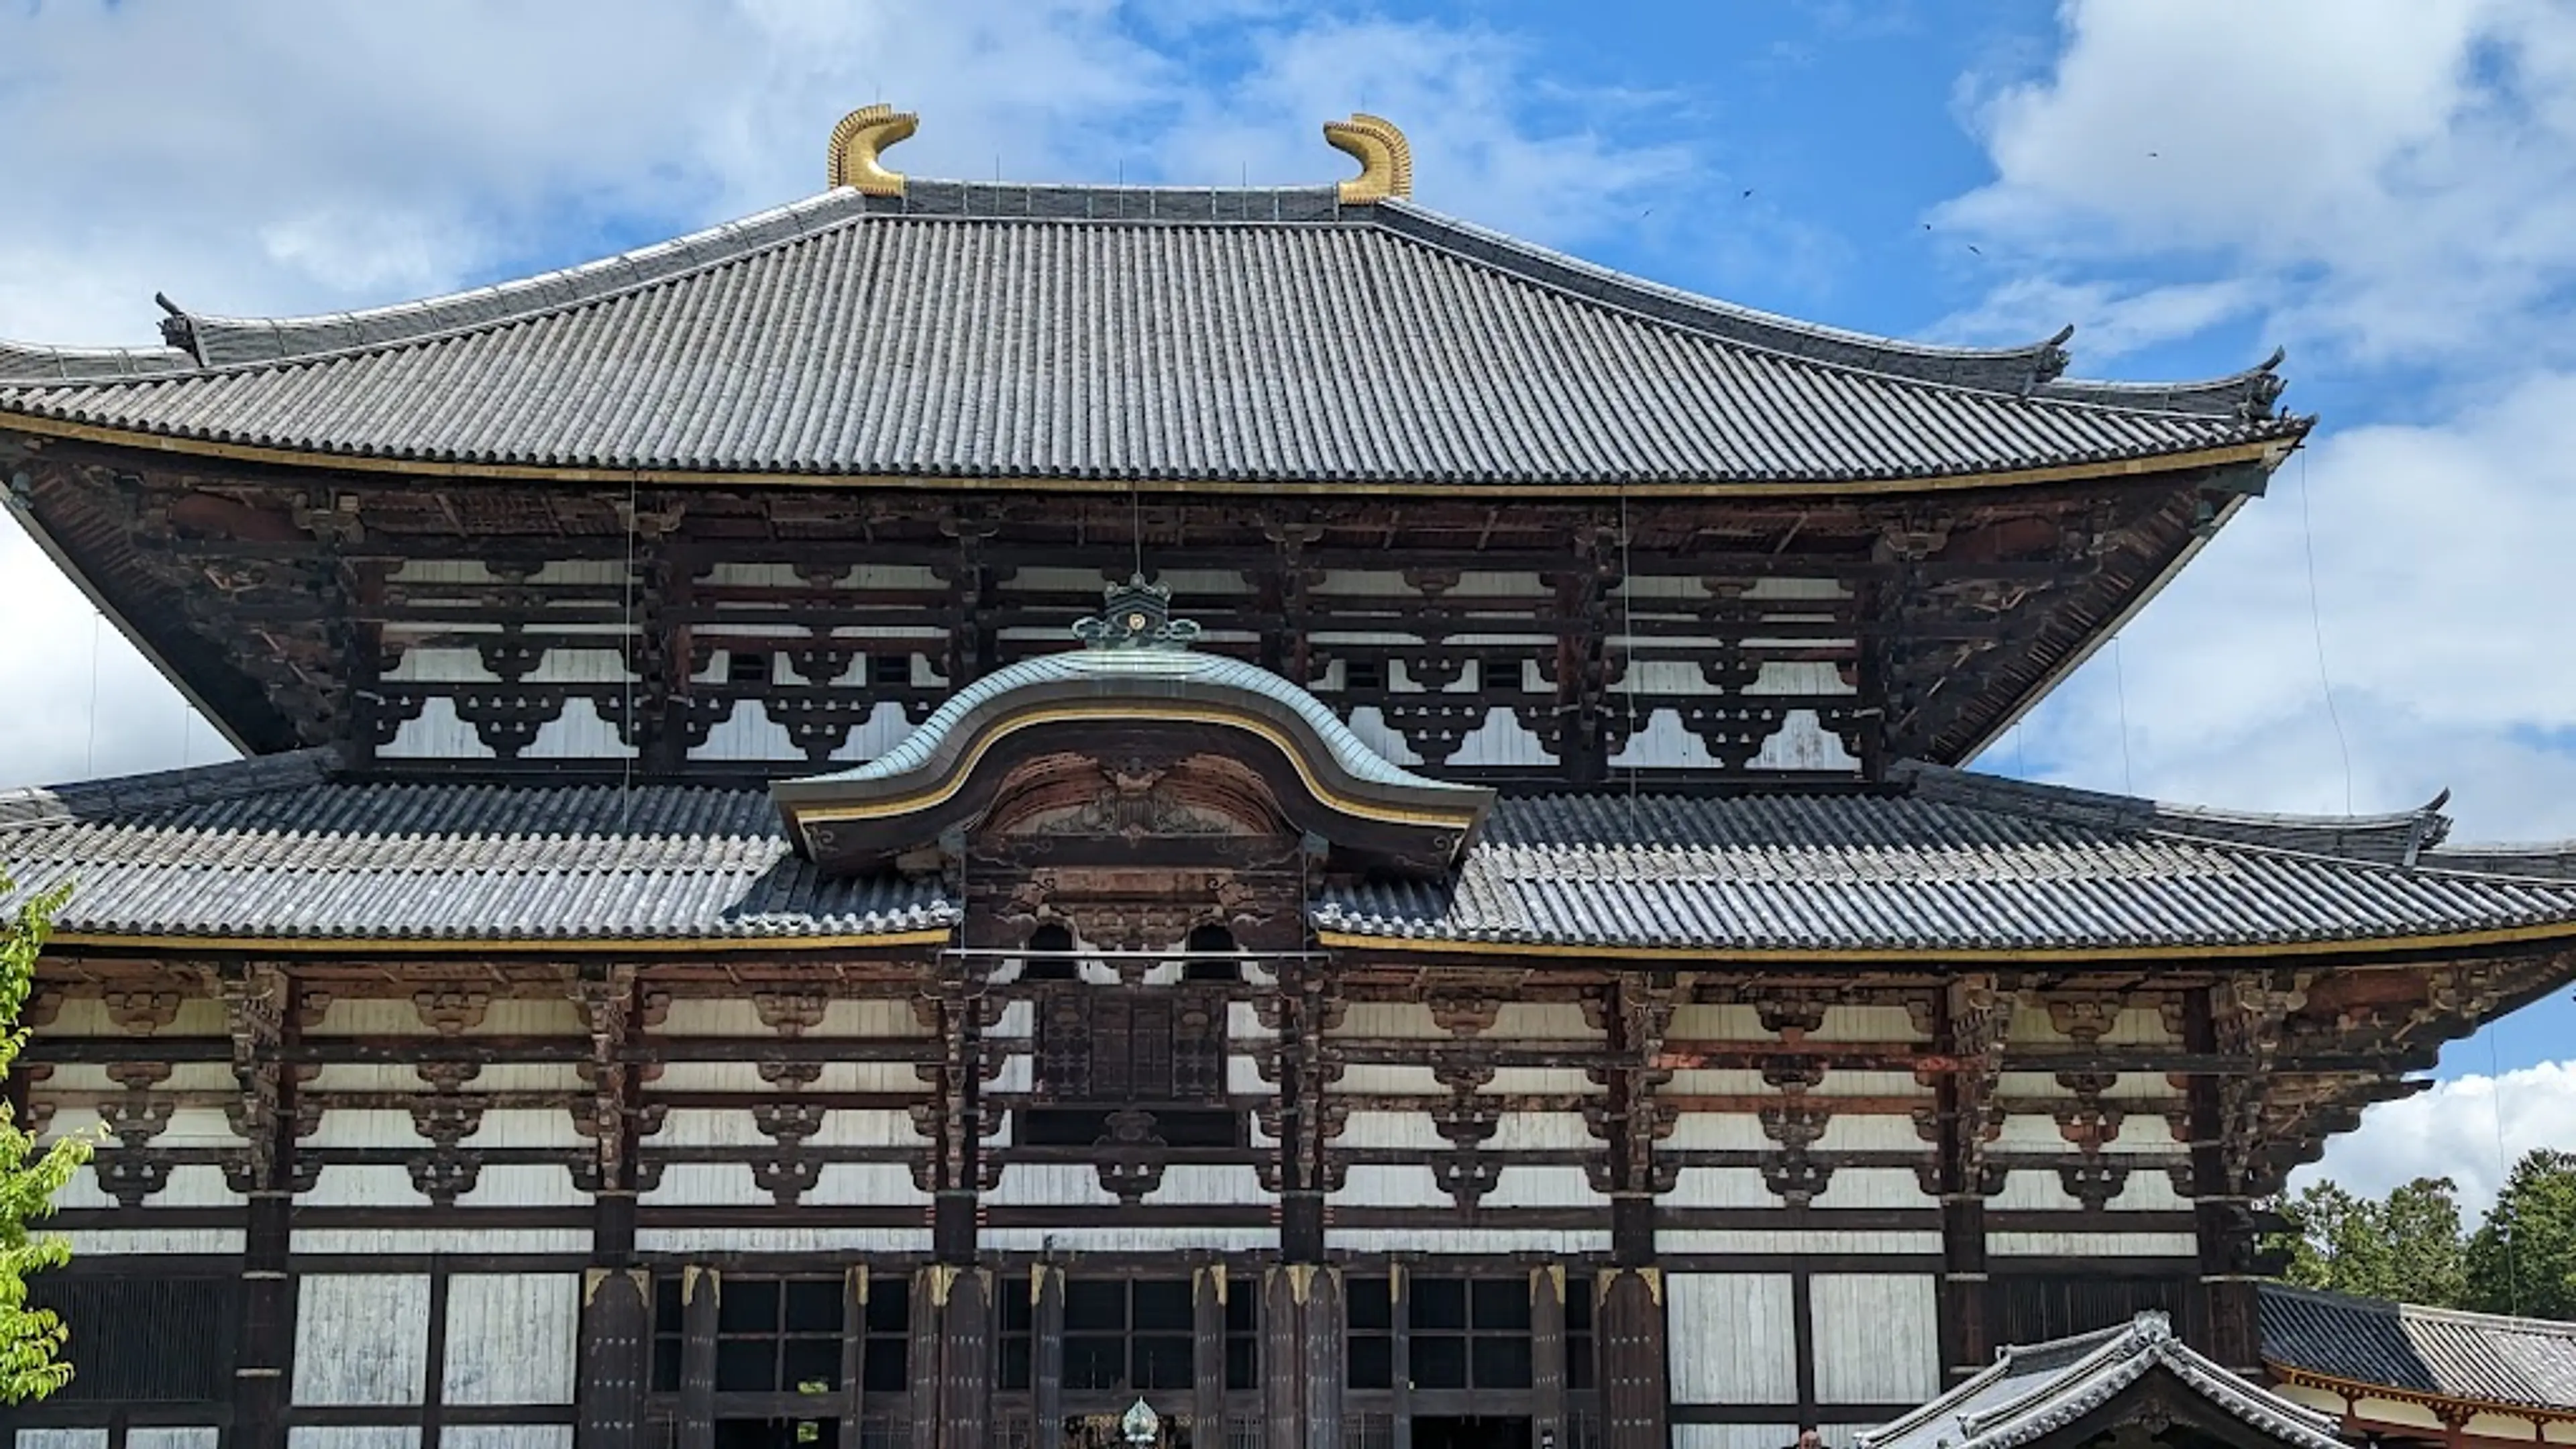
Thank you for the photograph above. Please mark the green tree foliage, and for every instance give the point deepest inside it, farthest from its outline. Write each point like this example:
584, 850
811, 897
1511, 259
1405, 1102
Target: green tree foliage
2522, 1259
31, 1341
2405, 1246
2409, 1245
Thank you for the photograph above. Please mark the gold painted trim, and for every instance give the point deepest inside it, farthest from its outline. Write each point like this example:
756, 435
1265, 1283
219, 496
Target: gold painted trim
2356, 1389
683, 477
1385, 157
414, 945
2264, 950
964, 769
862, 136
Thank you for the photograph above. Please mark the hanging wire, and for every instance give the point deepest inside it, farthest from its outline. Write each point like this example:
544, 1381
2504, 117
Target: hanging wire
634, 657
2120, 679
2504, 1168
97, 623
2317, 631
1629, 666
1136, 524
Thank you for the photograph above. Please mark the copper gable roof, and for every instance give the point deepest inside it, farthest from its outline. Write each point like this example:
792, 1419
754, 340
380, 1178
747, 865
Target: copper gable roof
1222, 336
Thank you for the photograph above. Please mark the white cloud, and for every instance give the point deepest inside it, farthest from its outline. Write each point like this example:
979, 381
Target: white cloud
274, 157
2438, 550
2451, 1130
2110, 320
2403, 172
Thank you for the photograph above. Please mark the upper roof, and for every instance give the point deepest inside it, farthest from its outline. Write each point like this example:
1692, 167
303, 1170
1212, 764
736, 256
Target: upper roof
994, 332
2420, 1353
2035, 1390
281, 849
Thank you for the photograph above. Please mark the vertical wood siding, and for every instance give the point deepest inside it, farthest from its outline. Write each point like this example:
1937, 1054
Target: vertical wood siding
361, 1339
1877, 1337
511, 1338
1733, 1337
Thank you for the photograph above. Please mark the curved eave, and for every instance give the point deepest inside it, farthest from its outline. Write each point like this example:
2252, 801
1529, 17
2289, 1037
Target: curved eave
1916, 957
2290, 1373
2268, 448
495, 945
953, 761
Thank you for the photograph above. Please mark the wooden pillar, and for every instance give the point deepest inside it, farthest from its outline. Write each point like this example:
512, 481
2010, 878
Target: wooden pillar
1547, 1355
1628, 1325
1399, 1308
854, 1358
1301, 1356
701, 1293
260, 1015
1628, 1319
952, 1357
617, 1296
1971, 1023
2243, 1018
1046, 1356
1207, 1355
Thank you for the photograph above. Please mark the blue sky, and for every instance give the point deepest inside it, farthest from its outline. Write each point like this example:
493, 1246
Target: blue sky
2386, 187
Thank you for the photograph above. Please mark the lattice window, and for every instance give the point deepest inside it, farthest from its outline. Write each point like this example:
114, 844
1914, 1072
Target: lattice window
145, 1340
778, 1335
1128, 1336
1369, 1342
1468, 1333
1578, 1335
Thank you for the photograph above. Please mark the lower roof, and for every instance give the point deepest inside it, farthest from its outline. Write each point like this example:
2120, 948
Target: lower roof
283, 849
2440, 1354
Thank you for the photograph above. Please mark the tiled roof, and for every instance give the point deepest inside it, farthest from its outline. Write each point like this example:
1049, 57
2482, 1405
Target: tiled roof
2035, 1390
1959, 862
280, 847
277, 849
1036, 332
2432, 1352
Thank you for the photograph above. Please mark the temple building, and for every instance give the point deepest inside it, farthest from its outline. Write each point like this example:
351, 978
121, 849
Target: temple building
922, 817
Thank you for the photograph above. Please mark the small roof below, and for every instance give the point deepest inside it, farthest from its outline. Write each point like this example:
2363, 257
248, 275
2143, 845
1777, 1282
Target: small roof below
2440, 1355
1138, 673
2077, 1390
1208, 335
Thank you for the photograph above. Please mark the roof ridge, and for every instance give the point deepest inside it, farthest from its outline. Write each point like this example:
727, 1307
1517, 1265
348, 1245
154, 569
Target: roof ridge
40, 805
2553, 1327
2410, 834
223, 343
2031, 370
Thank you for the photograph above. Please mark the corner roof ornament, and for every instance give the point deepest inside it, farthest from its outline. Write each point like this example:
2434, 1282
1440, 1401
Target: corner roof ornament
1385, 157
861, 137
1136, 615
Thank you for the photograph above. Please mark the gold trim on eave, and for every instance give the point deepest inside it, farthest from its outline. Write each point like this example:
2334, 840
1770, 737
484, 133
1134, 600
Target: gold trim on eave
859, 140
2375, 945
418, 945
2266, 451
2362, 1389
1385, 157
963, 769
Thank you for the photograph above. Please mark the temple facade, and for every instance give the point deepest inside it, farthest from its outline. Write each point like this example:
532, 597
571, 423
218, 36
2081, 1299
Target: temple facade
916, 819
